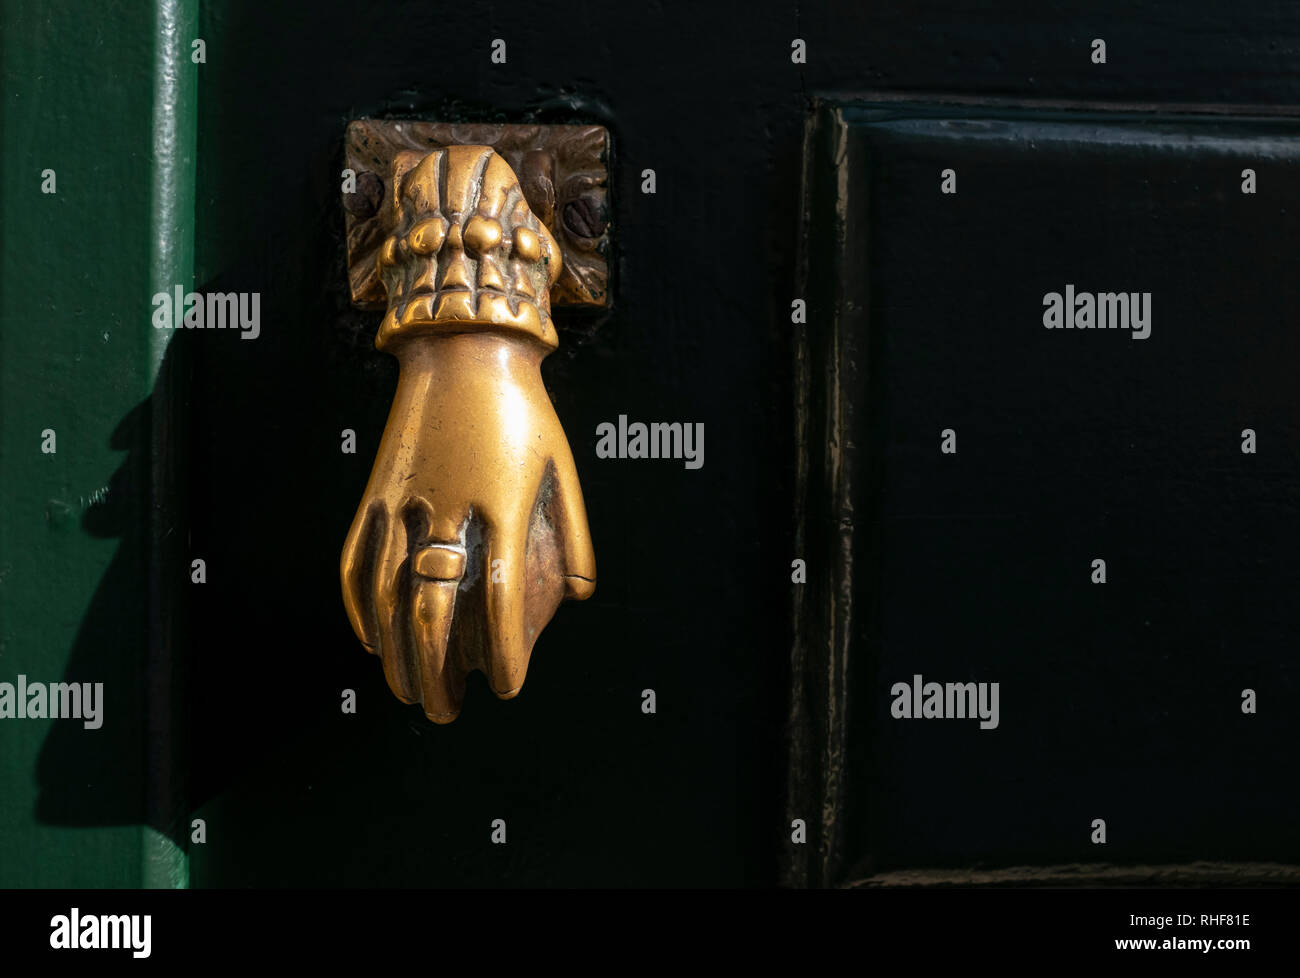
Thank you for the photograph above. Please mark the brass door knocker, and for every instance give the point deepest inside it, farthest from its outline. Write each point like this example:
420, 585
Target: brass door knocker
472, 528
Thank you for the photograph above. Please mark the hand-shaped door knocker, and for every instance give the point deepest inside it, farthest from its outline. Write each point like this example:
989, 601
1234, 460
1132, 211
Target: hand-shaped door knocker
472, 528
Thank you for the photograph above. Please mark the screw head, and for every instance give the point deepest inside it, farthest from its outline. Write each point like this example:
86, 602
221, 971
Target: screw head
582, 218
364, 203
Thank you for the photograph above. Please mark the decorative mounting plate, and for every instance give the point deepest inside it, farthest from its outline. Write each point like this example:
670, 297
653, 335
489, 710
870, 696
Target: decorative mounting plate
563, 171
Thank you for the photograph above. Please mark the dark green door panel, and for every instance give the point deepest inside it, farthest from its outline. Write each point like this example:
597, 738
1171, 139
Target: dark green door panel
102, 95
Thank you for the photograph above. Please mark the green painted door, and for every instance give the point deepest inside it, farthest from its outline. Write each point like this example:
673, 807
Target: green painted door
97, 127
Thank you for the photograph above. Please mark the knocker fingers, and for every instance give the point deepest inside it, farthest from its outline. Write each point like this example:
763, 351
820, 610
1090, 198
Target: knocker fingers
390, 565
435, 582
407, 571
437, 569
509, 648
353, 567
